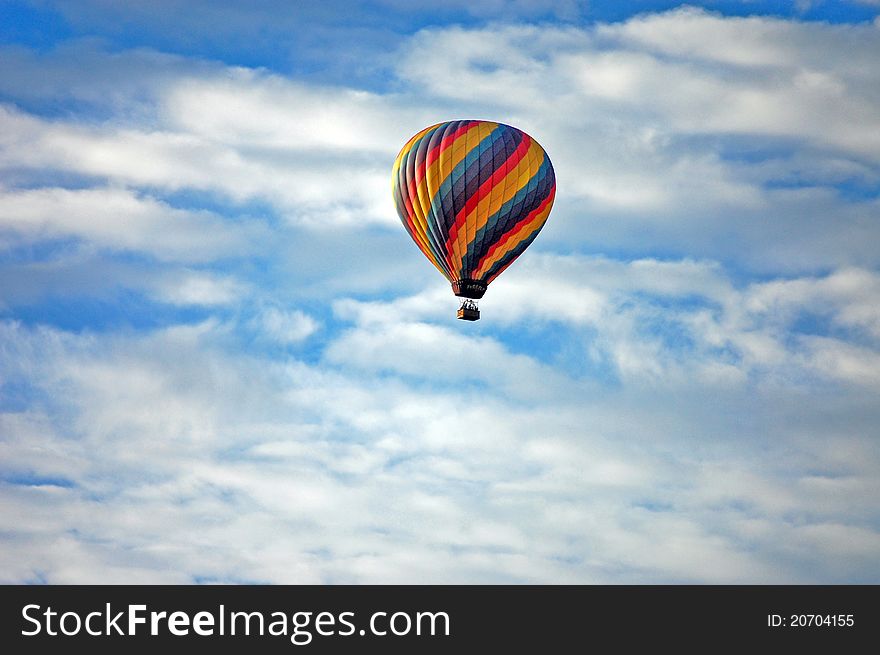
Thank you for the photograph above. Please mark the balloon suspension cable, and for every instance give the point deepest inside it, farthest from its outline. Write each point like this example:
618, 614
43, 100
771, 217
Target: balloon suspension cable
468, 310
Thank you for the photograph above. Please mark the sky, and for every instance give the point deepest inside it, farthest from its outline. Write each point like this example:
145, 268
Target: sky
222, 359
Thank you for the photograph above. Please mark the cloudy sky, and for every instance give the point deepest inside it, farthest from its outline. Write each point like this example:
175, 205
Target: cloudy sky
223, 360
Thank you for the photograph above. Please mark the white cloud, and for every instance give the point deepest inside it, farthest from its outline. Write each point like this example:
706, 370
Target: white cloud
749, 41
193, 288
167, 457
120, 219
849, 297
664, 322
441, 354
843, 360
305, 186
286, 327
252, 110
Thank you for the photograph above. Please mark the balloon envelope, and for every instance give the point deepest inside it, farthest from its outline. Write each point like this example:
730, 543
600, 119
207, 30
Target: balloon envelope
472, 195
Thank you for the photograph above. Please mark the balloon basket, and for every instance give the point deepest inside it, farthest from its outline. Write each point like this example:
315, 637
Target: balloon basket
468, 311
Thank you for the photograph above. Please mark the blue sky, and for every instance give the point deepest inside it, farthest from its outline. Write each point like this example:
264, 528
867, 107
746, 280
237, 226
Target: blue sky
222, 358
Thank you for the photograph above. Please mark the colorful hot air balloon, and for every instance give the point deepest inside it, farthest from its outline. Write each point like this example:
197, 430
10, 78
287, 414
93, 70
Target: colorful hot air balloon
473, 195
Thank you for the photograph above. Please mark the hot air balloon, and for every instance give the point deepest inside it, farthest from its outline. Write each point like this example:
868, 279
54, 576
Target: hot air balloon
473, 195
